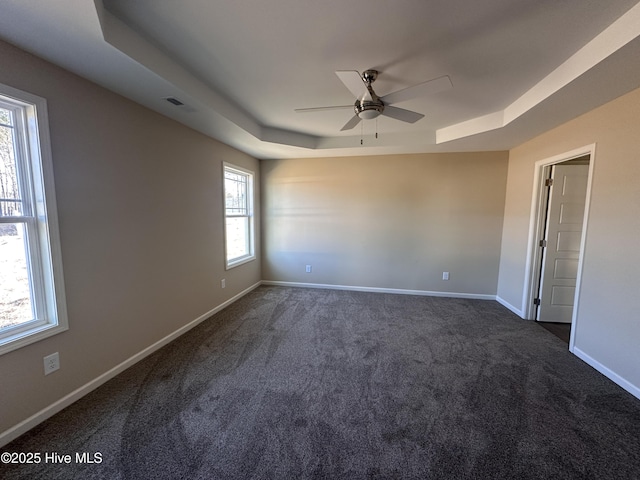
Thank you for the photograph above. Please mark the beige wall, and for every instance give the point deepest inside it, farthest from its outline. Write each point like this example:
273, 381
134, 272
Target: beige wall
393, 222
140, 212
607, 328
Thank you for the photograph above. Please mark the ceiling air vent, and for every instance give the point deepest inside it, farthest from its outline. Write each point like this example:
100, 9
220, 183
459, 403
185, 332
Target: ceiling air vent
174, 101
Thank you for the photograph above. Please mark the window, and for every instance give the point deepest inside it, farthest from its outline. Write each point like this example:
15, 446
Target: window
32, 304
238, 215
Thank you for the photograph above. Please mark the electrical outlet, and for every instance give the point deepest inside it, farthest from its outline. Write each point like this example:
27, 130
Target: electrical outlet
223, 283
308, 269
51, 363
445, 275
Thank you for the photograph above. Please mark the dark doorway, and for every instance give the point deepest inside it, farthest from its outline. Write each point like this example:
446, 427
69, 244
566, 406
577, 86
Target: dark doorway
560, 330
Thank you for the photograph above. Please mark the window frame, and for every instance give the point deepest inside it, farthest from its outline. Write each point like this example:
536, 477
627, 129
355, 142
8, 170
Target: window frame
234, 262
39, 216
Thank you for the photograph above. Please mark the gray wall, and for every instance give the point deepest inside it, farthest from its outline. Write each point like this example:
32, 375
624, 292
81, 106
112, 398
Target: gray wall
140, 211
394, 221
607, 330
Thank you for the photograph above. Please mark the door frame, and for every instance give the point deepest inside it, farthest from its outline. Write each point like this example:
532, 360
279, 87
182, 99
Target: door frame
536, 231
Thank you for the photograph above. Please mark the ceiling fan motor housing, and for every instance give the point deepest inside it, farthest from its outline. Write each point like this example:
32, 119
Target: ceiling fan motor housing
368, 109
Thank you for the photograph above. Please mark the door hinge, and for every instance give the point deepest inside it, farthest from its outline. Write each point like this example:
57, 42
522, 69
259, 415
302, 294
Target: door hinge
543, 243
548, 182
536, 301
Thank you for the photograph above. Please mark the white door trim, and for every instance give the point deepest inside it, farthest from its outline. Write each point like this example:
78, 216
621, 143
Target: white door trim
536, 227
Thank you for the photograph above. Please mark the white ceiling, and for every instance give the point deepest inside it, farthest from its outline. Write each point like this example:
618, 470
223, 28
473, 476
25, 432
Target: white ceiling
519, 67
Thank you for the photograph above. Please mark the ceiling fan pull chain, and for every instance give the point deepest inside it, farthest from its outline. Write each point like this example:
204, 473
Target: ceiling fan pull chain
361, 133
376, 128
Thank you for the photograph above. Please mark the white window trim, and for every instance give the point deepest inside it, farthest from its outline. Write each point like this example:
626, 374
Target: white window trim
51, 295
252, 255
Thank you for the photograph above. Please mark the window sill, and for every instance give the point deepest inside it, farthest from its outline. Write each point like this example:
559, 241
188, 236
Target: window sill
26, 337
240, 261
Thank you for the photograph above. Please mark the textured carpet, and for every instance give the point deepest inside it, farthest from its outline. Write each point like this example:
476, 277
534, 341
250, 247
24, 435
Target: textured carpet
302, 383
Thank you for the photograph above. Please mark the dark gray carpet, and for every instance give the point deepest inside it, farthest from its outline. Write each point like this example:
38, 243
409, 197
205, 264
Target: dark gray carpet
292, 383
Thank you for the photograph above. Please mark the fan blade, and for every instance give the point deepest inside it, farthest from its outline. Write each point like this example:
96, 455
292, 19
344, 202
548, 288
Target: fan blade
402, 114
353, 81
351, 123
429, 87
321, 109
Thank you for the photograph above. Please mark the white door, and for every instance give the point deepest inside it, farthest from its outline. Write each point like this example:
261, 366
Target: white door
565, 216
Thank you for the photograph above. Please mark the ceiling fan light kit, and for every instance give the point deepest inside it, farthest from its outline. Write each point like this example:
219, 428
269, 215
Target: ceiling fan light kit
369, 106
367, 110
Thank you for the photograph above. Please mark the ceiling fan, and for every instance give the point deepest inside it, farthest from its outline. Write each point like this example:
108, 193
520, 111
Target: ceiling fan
368, 105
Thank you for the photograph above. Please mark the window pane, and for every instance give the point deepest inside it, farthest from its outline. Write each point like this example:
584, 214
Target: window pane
15, 295
237, 237
6, 117
10, 202
235, 188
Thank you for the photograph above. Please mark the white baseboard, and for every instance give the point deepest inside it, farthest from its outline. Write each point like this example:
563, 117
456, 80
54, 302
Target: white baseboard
22, 427
506, 304
399, 291
610, 374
